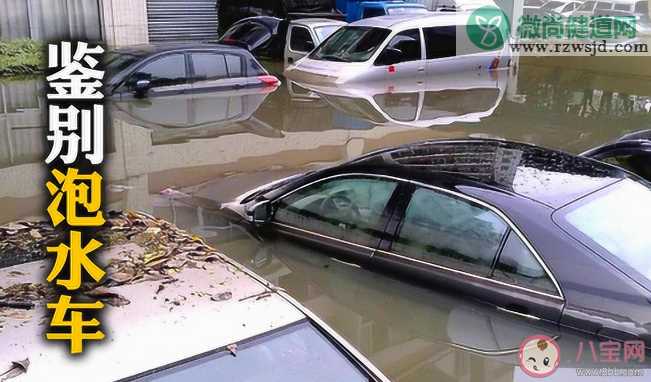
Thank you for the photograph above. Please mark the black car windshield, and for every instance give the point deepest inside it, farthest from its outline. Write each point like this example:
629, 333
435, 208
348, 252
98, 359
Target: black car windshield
351, 44
297, 353
616, 219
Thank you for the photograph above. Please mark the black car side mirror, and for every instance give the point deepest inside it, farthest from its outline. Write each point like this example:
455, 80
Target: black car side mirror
390, 56
142, 87
309, 46
260, 213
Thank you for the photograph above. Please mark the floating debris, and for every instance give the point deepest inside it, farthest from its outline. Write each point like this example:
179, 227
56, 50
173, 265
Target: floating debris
222, 296
17, 368
25, 295
165, 249
174, 194
257, 297
233, 349
25, 241
150, 249
107, 296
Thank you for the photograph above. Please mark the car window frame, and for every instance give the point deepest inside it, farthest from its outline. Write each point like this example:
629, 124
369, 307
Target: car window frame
387, 212
511, 227
500, 251
500, 245
383, 46
224, 53
398, 204
291, 34
122, 86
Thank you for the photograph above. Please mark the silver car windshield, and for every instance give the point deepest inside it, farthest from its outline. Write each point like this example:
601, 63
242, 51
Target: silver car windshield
351, 44
297, 353
616, 219
324, 32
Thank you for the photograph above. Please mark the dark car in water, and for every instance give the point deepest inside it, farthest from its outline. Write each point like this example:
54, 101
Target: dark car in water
263, 36
632, 152
232, 11
538, 233
169, 69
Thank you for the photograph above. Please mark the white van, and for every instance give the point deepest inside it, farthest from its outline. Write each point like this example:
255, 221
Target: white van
394, 47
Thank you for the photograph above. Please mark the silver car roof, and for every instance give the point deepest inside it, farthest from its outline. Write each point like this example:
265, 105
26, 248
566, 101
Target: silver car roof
317, 22
431, 19
211, 306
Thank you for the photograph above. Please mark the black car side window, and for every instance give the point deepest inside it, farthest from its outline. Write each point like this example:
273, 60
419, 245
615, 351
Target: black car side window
234, 66
348, 209
165, 71
448, 231
518, 266
209, 66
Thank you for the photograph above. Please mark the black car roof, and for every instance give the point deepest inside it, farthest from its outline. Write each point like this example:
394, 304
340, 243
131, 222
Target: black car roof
550, 177
149, 49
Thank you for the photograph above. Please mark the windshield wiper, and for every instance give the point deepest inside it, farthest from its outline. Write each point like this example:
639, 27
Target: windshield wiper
328, 57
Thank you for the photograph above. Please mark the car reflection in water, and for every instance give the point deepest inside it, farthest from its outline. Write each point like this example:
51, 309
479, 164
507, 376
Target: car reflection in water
440, 100
179, 118
411, 333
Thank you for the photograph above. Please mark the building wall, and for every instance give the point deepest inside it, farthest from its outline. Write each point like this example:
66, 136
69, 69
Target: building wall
124, 22
50, 19
118, 22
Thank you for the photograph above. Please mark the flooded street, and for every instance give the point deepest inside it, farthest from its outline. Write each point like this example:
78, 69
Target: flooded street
216, 146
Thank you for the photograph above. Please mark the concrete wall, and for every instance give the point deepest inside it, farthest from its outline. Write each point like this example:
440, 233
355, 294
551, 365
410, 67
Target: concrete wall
124, 22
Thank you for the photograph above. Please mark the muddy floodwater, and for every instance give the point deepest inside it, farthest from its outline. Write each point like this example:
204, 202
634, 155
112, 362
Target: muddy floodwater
215, 146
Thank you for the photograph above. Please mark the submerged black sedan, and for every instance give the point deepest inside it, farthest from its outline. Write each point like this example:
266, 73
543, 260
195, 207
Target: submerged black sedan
538, 233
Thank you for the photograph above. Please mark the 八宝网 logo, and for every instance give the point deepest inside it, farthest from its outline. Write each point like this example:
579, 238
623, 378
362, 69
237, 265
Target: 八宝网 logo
539, 356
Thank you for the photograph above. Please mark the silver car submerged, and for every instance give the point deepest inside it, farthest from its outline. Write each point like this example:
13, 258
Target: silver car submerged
395, 47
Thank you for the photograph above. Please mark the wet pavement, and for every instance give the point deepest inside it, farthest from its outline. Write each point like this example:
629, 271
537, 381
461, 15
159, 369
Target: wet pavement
216, 146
